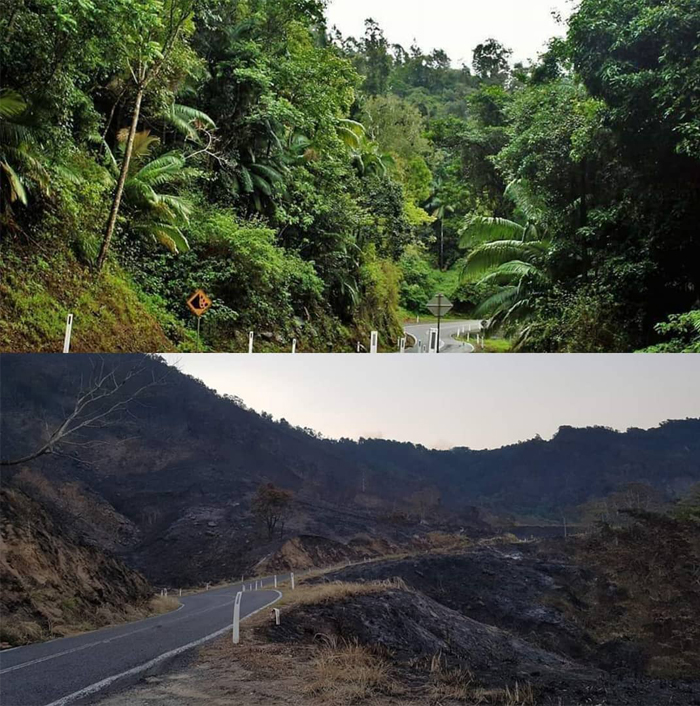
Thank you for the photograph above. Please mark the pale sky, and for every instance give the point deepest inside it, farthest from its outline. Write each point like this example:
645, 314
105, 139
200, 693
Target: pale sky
479, 401
457, 26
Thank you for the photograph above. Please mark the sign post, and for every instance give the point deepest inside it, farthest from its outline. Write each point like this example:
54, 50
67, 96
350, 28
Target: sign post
439, 305
199, 303
374, 342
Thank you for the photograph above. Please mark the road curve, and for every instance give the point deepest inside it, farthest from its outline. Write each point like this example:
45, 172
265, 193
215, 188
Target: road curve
74, 669
448, 329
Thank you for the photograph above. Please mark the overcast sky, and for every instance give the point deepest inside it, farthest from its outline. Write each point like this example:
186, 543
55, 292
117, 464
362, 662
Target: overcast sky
457, 26
479, 401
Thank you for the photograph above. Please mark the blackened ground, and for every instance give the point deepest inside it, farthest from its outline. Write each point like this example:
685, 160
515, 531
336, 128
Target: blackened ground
410, 629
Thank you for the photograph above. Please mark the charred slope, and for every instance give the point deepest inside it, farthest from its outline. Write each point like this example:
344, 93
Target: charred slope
51, 583
428, 644
625, 600
183, 441
169, 484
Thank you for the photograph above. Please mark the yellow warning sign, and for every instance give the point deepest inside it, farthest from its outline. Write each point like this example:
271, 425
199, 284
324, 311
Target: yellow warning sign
199, 303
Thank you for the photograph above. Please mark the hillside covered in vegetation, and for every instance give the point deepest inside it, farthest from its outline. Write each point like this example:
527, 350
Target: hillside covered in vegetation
318, 186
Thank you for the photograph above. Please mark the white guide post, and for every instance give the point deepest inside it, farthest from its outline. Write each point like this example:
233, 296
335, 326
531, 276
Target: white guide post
69, 330
251, 336
237, 618
434, 342
276, 611
291, 577
180, 591
243, 588
275, 580
294, 345
374, 342
402, 345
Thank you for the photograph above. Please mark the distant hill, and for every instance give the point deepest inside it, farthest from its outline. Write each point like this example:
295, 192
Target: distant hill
167, 483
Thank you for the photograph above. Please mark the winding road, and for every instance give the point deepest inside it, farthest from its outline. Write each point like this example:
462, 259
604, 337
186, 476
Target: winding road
448, 328
74, 669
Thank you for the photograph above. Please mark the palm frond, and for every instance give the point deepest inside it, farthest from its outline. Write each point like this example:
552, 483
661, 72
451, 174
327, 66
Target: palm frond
161, 170
143, 143
12, 105
512, 272
500, 252
502, 300
519, 193
246, 180
17, 190
188, 121
270, 173
261, 184
166, 234
480, 228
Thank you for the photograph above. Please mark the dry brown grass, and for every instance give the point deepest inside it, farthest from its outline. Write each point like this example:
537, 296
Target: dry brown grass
163, 604
517, 695
457, 683
346, 672
314, 594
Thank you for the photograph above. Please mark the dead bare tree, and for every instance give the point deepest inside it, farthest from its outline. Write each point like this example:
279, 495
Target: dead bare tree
98, 404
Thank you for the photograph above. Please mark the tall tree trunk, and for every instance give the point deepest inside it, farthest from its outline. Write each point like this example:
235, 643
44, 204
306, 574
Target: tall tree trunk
112, 222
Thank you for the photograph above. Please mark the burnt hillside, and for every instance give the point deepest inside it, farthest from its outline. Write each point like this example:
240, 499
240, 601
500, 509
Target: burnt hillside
170, 475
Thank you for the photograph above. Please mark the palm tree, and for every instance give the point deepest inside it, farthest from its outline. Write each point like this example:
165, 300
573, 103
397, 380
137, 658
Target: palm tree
159, 214
512, 255
20, 161
439, 210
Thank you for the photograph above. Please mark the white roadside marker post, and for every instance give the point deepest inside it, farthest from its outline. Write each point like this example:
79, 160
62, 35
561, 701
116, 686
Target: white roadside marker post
276, 611
251, 337
291, 576
243, 588
275, 580
181, 592
402, 345
69, 330
294, 345
374, 342
237, 618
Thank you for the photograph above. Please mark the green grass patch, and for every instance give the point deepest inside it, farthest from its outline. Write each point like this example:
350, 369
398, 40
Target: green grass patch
491, 345
110, 314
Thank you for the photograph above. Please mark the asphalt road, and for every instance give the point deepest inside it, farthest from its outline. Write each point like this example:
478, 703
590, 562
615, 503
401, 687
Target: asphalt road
448, 329
74, 669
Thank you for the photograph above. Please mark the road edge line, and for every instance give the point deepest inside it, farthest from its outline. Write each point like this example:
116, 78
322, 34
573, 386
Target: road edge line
104, 683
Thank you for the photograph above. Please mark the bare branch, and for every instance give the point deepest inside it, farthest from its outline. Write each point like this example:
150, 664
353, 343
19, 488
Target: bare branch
97, 406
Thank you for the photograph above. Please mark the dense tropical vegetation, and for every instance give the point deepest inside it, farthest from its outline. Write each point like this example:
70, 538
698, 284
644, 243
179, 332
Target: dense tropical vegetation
320, 186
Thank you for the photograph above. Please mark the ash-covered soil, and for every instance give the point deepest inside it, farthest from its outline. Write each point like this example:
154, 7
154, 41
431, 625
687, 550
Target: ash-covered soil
547, 614
411, 629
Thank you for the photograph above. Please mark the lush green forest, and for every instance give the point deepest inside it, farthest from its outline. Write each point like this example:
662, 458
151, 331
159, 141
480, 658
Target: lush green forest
318, 186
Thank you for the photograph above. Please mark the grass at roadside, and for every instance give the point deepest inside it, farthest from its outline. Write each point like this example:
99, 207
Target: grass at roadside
491, 345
